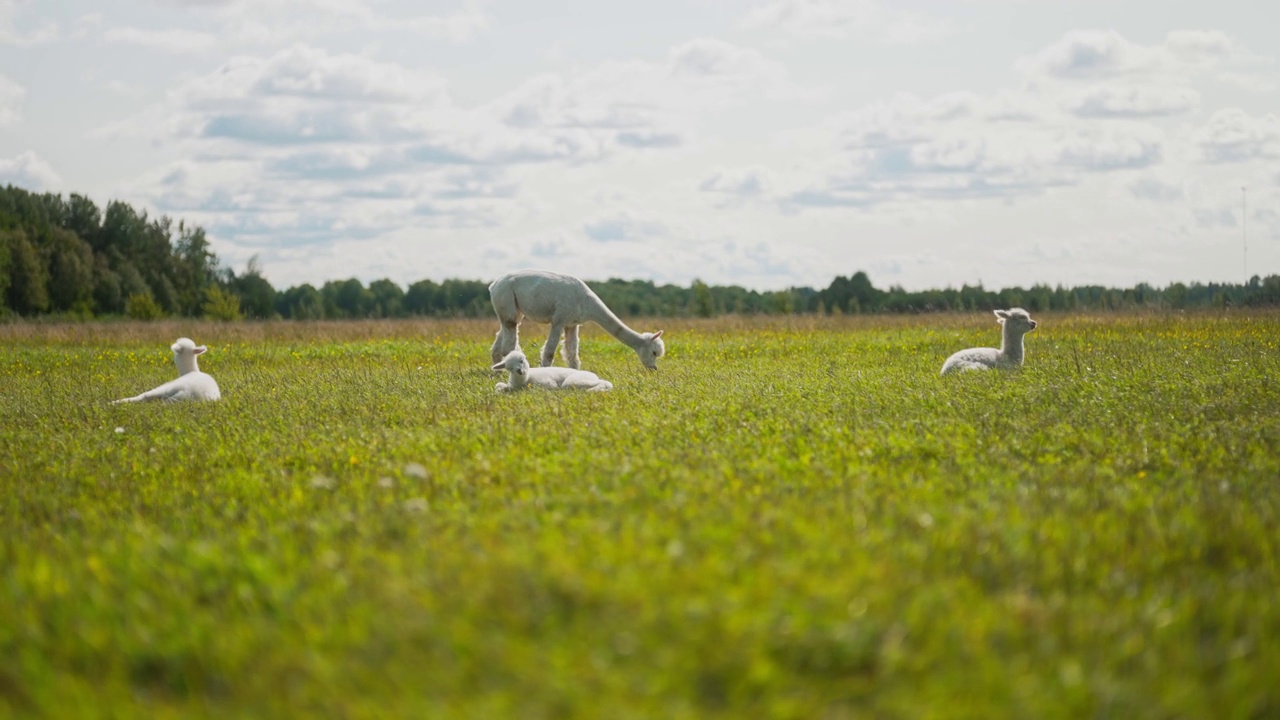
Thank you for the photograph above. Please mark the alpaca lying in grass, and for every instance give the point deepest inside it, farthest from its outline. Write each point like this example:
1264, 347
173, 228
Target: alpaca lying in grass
554, 378
1017, 323
566, 303
191, 383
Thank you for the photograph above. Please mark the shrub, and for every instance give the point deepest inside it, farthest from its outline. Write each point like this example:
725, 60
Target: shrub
140, 306
220, 304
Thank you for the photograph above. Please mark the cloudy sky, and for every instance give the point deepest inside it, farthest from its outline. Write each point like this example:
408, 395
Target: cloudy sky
764, 143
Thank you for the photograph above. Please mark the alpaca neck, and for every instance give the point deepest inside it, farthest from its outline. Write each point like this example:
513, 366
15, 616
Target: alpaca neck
518, 382
601, 315
1011, 345
186, 365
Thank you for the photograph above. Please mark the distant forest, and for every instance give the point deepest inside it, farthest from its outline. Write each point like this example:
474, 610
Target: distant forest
67, 258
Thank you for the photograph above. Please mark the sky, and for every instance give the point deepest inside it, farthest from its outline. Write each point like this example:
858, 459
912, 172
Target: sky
761, 143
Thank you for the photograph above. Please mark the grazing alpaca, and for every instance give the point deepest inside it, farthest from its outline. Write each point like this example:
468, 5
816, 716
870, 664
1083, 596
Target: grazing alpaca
191, 383
565, 302
1016, 323
554, 378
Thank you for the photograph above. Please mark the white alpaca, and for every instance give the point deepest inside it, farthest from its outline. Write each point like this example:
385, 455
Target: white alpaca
554, 378
566, 303
1016, 323
191, 383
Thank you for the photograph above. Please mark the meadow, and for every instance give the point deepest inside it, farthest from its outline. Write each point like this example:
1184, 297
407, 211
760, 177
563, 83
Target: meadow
794, 517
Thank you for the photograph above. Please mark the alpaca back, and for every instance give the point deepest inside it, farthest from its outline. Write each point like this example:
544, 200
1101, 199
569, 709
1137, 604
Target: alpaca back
191, 386
972, 359
557, 378
195, 386
544, 296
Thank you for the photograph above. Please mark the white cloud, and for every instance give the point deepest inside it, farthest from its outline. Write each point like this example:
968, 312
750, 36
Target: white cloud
461, 26
1200, 46
910, 149
1155, 189
907, 118
1095, 104
303, 71
635, 105
1220, 217
1232, 135
1113, 148
623, 226
13, 31
119, 87
1269, 220
719, 61
1254, 83
28, 170
739, 183
694, 76
1104, 101
171, 40
844, 18
1105, 54
550, 101
296, 97
271, 23
11, 97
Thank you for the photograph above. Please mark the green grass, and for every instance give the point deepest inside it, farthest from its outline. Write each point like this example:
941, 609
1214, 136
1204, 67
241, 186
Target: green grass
791, 518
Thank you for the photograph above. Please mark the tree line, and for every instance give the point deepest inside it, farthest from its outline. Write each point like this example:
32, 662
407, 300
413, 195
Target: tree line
67, 257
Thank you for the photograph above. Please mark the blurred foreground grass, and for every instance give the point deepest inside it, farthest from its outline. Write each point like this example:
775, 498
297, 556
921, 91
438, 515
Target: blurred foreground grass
792, 518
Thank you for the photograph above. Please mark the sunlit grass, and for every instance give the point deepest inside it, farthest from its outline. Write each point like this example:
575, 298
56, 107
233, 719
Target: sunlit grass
794, 517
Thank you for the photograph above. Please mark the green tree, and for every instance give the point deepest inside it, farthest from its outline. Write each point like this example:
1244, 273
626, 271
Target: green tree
783, 302
347, 298
388, 298
81, 216
108, 297
121, 230
28, 291
70, 263
131, 282
5, 259
300, 303
257, 297
421, 298
703, 303
196, 268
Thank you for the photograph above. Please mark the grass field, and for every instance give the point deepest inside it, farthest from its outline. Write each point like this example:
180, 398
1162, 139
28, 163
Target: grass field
793, 517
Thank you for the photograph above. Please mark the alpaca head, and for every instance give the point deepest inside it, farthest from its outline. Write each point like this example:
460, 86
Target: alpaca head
517, 364
1016, 320
652, 349
184, 354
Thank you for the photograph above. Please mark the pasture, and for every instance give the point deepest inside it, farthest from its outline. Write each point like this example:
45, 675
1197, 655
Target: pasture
793, 517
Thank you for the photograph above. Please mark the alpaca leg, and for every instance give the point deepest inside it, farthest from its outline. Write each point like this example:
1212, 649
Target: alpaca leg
509, 316
553, 341
570, 350
507, 340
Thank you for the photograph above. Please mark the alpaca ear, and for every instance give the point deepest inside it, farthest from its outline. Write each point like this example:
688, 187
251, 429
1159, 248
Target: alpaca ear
657, 335
499, 366
1002, 314
200, 350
